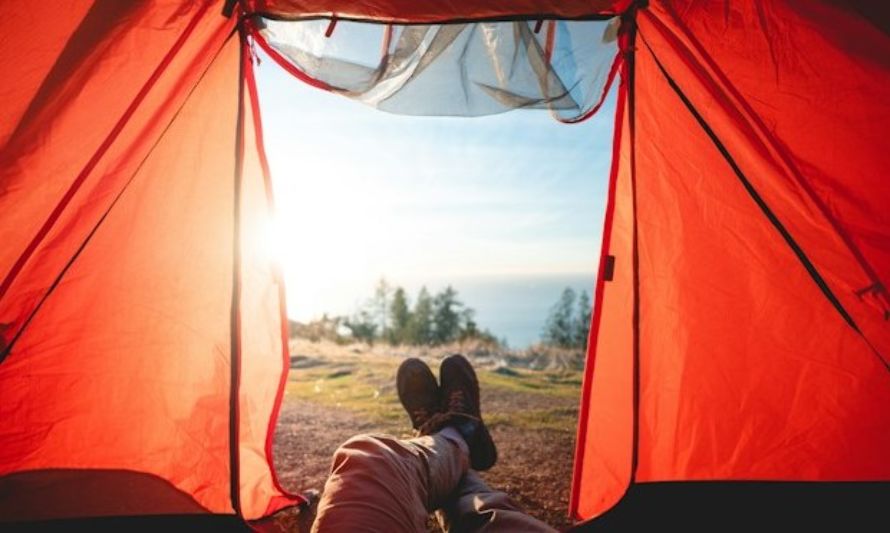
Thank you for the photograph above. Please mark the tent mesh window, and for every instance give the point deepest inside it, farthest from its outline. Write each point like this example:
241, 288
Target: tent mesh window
472, 69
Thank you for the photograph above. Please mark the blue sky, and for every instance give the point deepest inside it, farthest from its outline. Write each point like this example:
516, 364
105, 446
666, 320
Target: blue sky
363, 194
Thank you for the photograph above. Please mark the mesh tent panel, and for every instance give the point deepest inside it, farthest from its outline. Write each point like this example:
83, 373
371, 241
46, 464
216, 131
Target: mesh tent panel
472, 69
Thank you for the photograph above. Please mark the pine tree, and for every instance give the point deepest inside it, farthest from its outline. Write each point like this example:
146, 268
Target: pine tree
468, 327
399, 317
560, 328
362, 326
380, 305
421, 324
582, 325
446, 318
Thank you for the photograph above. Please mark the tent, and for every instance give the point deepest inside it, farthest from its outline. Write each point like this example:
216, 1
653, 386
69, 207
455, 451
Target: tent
741, 328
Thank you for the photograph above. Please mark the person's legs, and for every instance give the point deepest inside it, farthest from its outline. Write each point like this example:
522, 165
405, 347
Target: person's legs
475, 506
381, 483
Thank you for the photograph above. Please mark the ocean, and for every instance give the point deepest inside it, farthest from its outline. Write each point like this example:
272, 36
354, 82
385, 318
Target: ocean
513, 307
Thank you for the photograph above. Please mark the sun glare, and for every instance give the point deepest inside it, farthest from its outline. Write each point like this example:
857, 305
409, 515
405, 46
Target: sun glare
328, 234
362, 194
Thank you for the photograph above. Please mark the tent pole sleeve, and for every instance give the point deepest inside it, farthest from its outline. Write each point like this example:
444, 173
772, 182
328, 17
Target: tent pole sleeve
631, 123
235, 318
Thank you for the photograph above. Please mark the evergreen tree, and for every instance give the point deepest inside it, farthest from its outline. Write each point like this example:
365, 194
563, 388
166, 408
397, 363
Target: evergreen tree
560, 328
399, 317
468, 327
582, 325
421, 324
380, 305
434, 320
362, 326
446, 319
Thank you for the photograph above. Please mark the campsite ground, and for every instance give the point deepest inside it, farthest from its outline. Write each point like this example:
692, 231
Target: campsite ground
334, 392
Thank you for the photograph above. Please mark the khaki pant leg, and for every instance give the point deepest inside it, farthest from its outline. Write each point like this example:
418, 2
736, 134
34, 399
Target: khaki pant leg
477, 507
380, 483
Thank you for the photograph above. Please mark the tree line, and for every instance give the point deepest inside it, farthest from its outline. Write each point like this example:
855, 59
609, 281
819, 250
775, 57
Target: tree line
390, 316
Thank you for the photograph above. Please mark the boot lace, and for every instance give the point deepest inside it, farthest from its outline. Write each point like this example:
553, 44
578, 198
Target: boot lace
457, 401
420, 415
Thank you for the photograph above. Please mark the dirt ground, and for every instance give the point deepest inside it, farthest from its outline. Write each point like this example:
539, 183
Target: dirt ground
535, 453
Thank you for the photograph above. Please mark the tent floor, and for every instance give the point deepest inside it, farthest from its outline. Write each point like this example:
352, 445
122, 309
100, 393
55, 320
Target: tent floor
753, 506
684, 506
169, 523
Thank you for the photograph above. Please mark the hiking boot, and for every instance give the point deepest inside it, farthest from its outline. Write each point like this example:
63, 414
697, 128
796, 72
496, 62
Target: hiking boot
418, 391
460, 400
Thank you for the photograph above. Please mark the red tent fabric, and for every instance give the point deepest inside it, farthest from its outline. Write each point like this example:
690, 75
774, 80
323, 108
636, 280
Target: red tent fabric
143, 336
741, 315
744, 332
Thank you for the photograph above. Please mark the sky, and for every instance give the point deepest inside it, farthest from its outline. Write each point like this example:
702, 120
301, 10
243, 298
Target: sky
363, 194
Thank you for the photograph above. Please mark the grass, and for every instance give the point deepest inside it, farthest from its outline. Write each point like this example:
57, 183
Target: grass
557, 419
364, 383
358, 387
563, 385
